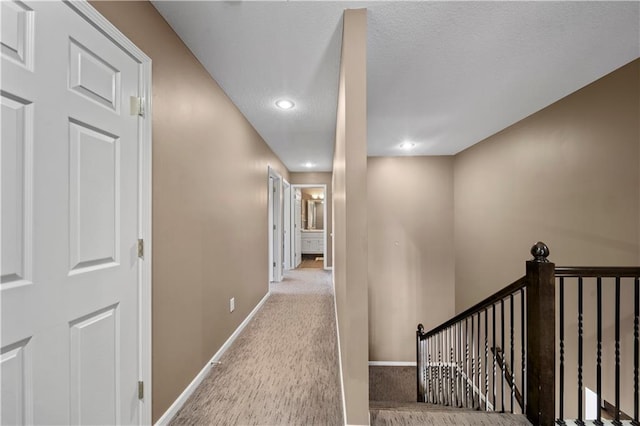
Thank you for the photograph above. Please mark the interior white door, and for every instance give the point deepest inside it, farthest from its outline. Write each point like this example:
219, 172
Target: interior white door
70, 221
298, 227
286, 229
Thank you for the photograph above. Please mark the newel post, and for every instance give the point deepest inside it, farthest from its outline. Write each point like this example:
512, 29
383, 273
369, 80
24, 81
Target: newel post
541, 338
419, 365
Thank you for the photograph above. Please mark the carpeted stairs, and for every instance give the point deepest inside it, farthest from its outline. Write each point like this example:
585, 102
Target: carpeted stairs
414, 413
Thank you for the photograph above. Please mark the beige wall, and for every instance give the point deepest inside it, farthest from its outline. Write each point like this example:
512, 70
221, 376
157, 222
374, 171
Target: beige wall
320, 178
201, 143
567, 175
350, 217
411, 253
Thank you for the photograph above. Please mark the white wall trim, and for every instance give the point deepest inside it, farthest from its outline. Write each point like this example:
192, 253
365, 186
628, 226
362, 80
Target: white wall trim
179, 402
392, 363
326, 220
275, 205
335, 310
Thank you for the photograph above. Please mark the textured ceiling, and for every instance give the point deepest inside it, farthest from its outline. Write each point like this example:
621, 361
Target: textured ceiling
444, 75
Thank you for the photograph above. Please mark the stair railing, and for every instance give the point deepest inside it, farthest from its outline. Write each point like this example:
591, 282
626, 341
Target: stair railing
500, 354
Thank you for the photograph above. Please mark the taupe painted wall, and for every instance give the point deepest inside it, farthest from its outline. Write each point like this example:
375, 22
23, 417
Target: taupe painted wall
350, 217
567, 175
201, 223
320, 178
411, 252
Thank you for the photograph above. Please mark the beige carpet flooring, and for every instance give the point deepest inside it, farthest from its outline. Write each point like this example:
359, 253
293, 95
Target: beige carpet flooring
283, 368
311, 262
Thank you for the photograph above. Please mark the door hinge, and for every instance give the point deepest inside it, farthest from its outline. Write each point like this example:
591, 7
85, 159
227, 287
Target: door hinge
141, 390
137, 106
140, 248
274, 264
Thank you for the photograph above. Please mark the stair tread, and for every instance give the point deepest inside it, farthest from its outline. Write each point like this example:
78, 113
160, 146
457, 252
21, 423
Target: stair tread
418, 413
412, 406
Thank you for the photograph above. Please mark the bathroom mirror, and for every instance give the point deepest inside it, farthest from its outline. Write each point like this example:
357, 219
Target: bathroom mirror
314, 214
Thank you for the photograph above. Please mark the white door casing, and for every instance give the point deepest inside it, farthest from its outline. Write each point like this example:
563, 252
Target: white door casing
297, 191
76, 167
275, 225
297, 225
286, 228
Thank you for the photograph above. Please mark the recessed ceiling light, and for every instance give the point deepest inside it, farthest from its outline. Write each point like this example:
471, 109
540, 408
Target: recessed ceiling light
308, 164
407, 145
284, 104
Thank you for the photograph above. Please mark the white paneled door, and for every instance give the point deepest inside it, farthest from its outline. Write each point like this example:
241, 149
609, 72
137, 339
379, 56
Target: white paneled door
70, 290
297, 221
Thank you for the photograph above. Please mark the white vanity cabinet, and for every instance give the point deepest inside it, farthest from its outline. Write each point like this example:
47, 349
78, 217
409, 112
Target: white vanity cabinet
312, 242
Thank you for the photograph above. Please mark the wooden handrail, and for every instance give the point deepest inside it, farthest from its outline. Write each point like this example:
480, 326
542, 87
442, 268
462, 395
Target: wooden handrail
560, 271
479, 307
597, 271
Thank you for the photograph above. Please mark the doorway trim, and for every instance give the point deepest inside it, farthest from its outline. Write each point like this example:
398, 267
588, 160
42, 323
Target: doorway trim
286, 225
324, 208
274, 207
88, 12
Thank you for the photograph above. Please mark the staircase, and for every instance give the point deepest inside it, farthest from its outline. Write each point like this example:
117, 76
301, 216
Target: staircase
495, 363
419, 413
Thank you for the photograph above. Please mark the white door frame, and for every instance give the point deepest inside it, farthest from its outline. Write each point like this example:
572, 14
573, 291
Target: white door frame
144, 221
275, 225
324, 208
286, 226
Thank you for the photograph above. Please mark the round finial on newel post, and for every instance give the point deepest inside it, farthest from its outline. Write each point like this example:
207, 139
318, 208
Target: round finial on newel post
420, 328
540, 252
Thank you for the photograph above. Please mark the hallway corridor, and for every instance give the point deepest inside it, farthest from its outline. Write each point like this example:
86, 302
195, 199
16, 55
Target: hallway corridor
283, 368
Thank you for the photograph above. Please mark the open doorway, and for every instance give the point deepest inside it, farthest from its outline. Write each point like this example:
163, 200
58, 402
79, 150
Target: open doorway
309, 235
275, 226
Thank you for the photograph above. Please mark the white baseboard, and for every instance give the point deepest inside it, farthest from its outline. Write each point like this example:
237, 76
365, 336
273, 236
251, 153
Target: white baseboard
392, 363
179, 402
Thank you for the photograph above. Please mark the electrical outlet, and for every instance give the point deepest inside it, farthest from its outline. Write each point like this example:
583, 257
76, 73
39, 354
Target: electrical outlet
232, 304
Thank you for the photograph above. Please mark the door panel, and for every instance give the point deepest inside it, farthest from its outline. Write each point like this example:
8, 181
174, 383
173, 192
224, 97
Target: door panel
94, 384
94, 193
298, 227
17, 194
70, 220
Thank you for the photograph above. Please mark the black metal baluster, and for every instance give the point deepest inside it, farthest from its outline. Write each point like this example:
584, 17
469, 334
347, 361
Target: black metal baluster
466, 361
420, 373
486, 365
561, 321
431, 377
449, 373
444, 367
473, 366
513, 366
459, 366
493, 383
447, 369
636, 354
440, 368
503, 352
523, 352
451, 368
617, 391
580, 344
434, 370
479, 362
599, 350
